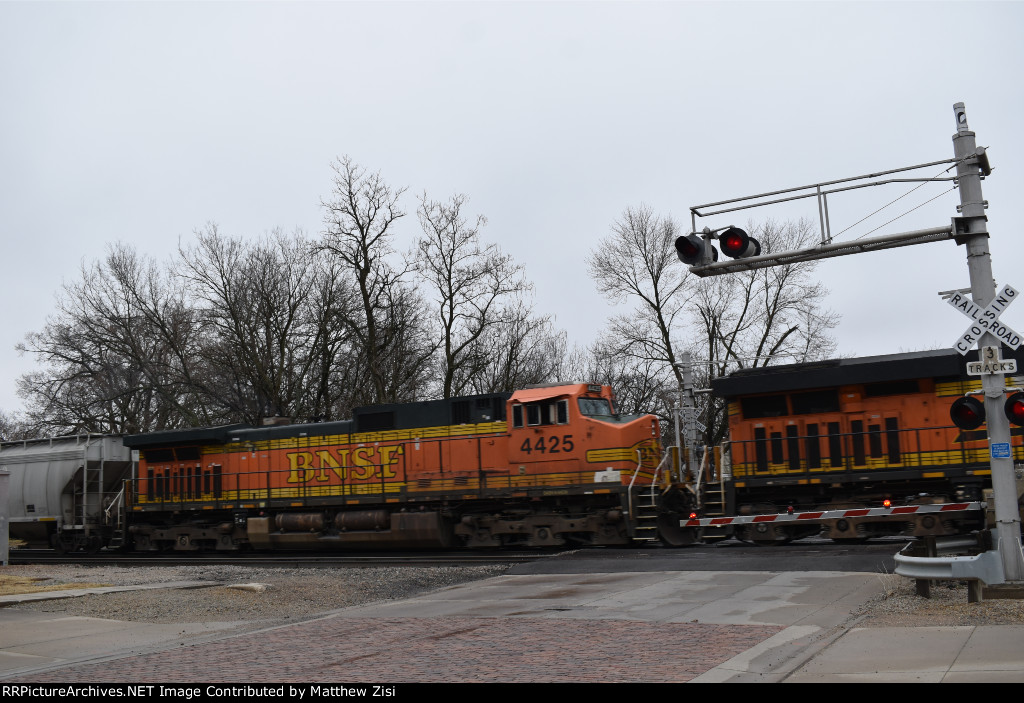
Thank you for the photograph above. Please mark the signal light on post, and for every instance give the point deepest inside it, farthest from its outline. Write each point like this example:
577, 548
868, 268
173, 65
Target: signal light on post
1014, 409
967, 413
694, 251
737, 244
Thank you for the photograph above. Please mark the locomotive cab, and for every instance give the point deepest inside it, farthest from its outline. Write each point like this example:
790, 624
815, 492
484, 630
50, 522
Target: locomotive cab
575, 426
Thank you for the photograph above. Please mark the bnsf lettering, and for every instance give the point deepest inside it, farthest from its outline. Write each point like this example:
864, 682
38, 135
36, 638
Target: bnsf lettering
357, 464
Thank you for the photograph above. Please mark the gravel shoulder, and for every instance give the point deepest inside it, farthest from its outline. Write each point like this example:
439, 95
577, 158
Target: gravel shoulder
898, 605
283, 595
289, 595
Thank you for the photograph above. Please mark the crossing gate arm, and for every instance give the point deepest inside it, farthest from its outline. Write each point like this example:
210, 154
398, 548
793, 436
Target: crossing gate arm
832, 514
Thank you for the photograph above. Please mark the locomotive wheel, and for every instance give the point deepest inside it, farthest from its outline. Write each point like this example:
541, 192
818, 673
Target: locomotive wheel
672, 535
62, 545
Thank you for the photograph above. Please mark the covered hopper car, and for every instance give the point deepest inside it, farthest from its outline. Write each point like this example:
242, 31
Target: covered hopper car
66, 492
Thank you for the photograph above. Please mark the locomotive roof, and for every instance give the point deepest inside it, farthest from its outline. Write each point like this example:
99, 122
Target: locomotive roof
373, 418
936, 363
553, 390
191, 435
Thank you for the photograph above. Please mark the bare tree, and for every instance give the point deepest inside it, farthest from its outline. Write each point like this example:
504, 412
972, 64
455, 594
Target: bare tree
257, 303
752, 318
640, 385
637, 263
108, 366
756, 318
523, 350
14, 426
735, 321
468, 283
359, 224
336, 372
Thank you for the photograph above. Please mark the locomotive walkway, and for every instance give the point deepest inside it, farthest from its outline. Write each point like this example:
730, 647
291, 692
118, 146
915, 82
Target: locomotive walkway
544, 622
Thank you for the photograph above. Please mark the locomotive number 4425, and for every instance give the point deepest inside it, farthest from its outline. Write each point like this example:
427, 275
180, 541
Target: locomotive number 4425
552, 445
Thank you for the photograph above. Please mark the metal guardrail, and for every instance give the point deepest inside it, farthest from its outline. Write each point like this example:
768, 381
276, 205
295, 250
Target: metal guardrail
986, 567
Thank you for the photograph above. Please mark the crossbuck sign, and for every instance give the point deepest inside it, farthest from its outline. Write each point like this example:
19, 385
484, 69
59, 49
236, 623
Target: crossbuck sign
985, 319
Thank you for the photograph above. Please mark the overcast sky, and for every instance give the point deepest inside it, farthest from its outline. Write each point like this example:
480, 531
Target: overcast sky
143, 121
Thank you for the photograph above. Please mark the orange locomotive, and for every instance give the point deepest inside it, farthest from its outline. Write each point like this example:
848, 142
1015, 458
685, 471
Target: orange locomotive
852, 433
545, 466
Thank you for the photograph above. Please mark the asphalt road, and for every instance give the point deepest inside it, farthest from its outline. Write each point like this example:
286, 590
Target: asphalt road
876, 556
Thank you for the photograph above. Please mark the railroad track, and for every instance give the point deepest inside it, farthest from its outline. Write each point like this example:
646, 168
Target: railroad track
48, 556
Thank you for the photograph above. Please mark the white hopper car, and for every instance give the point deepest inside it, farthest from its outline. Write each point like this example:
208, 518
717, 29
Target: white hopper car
67, 492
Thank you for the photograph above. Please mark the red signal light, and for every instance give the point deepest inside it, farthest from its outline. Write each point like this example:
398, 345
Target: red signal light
690, 249
737, 244
694, 251
967, 413
1014, 409
886, 503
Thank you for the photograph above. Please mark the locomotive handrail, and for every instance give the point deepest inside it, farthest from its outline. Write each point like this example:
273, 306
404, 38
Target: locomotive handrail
700, 476
632, 481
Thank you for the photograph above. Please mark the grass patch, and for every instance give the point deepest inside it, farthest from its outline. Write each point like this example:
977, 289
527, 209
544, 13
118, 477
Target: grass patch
14, 585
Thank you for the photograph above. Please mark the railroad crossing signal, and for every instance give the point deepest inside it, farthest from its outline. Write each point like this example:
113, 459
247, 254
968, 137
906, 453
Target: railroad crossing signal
696, 249
985, 320
737, 244
967, 413
1014, 409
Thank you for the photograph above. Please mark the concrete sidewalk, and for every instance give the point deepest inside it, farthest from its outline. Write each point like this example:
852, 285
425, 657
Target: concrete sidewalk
657, 626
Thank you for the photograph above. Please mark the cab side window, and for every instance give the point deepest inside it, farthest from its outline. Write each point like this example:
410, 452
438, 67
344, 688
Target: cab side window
542, 413
562, 412
517, 415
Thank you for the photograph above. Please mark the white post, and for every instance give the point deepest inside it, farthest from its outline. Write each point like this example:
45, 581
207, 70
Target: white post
974, 235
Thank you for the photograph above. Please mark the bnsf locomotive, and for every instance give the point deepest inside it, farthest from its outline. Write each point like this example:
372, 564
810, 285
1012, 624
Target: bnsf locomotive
544, 466
854, 433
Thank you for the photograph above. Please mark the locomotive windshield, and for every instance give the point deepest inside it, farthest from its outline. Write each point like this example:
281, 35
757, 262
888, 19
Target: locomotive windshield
596, 407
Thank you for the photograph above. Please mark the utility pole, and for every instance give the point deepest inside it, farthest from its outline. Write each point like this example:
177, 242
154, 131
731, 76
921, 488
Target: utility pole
970, 230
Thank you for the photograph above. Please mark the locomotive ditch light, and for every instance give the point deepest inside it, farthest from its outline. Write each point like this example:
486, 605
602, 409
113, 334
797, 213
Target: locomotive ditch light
1014, 409
967, 413
694, 251
737, 244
